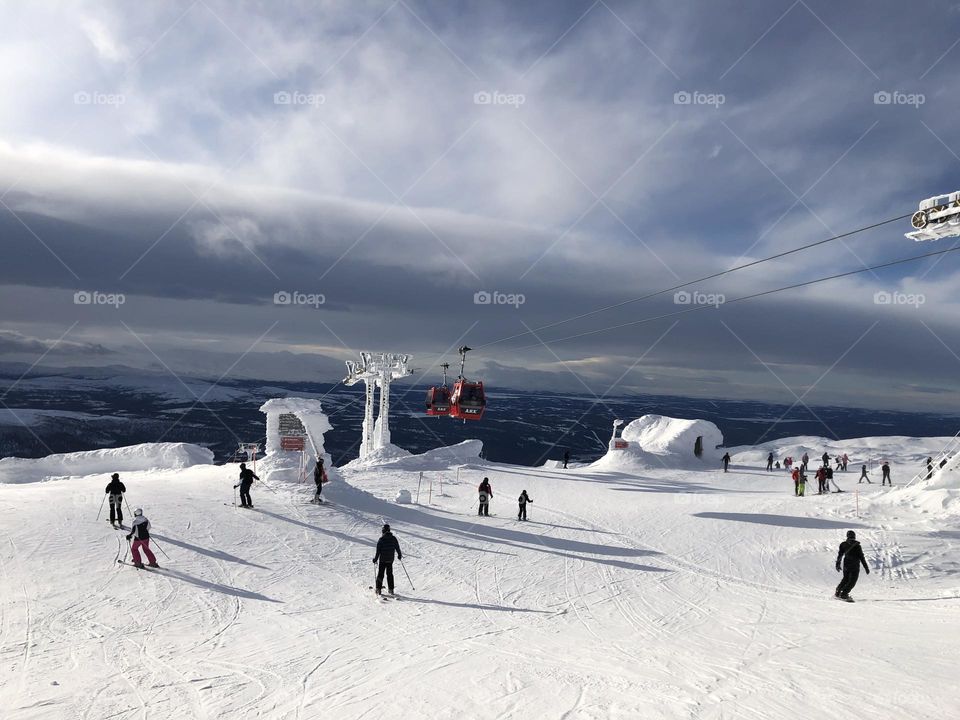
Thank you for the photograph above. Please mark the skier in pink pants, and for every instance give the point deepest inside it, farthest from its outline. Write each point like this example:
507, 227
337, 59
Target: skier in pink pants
140, 530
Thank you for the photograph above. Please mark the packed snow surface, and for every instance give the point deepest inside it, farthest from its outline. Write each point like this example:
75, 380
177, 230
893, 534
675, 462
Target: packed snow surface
104, 462
648, 593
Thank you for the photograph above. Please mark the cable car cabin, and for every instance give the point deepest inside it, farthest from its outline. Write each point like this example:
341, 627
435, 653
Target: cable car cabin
438, 401
468, 401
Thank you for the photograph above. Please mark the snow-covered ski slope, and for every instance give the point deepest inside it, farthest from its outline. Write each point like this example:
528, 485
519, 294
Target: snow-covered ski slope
655, 593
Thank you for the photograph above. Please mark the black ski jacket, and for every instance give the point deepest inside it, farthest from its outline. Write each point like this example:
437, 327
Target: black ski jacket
115, 487
387, 545
140, 530
524, 498
485, 488
247, 477
851, 553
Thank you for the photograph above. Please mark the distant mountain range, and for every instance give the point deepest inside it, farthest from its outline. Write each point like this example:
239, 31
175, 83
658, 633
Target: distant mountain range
48, 410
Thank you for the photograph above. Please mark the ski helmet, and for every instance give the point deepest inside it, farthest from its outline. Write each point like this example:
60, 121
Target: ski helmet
116, 476
386, 527
851, 534
138, 512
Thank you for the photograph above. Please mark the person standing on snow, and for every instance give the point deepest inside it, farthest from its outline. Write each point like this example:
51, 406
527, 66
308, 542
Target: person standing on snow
803, 482
845, 461
116, 489
796, 481
864, 476
319, 477
851, 555
387, 547
726, 461
804, 461
140, 531
485, 492
829, 480
523, 500
821, 479
885, 468
246, 480
825, 457
770, 462
566, 458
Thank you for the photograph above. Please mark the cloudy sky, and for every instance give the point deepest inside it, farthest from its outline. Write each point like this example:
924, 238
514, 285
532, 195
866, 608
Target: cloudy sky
381, 163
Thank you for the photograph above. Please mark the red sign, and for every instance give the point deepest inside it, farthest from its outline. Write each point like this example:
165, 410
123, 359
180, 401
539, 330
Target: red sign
291, 442
620, 444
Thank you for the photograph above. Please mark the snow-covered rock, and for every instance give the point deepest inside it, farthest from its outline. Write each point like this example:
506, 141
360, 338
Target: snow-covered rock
133, 458
403, 497
664, 442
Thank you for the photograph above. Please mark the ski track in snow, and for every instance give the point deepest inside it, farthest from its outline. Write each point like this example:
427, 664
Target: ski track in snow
624, 597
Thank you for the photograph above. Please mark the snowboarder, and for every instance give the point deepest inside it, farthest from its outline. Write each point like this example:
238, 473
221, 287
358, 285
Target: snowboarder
770, 462
116, 489
485, 492
523, 500
864, 476
796, 481
566, 458
246, 480
140, 529
845, 461
851, 555
319, 477
387, 546
885, 468
726, 461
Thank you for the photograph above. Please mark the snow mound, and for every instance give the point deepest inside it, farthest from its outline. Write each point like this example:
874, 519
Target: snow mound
906, 455
133, 458
403, 497
939, 495
440, 458
658, 441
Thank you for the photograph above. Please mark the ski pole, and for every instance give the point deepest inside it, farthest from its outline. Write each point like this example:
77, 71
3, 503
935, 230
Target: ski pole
160, 549
407, 574
100, 511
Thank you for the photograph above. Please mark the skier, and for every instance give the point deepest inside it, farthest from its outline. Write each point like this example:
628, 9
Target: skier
803, 482
821, 479
830, 480
319, 477
839, 461
246, 480
523, 500
770, 462
851, 554
864, 476
886, 474
726, 461
803, 461
140, 529
387, 546
825, 457
796, 481
566, 458
845, 461
116, 489
485, 492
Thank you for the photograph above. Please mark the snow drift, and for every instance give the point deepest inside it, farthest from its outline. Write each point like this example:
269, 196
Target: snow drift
134, 458
440, 458
664, 442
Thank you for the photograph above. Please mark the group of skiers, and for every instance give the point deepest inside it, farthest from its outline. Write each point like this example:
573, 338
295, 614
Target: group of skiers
139, 528
485, 492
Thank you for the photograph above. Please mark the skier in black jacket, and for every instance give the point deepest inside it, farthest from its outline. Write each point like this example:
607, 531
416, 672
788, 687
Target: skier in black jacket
770, 462
319, 478
246, 480
387, 545
851, 555
726, 461
116, 489
484, 493
523, 500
